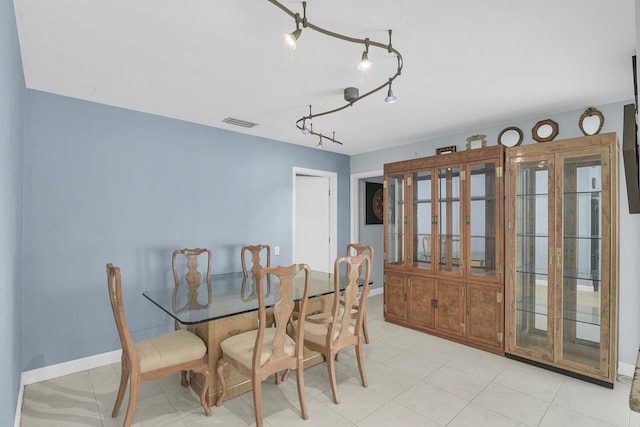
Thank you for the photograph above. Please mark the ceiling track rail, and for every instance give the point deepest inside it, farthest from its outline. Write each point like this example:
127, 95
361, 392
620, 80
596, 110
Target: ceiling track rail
366, 42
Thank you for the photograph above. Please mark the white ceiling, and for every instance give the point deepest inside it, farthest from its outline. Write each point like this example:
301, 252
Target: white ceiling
468, 64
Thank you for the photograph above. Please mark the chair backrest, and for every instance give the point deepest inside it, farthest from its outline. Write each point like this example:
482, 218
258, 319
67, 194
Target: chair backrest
114, 286
357, 273
193, 276
358, 249
282, 311
255, 251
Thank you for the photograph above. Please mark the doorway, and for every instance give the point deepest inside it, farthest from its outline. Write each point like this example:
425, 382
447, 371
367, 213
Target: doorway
367, 234
314, 218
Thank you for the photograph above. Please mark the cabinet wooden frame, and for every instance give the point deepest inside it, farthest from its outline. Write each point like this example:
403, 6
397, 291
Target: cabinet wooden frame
557, 343
433, 281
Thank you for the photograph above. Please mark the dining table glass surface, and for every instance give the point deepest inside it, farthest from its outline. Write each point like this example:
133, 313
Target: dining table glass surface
230, 294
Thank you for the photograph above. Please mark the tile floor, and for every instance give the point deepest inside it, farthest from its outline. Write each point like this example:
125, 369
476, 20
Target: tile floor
414, 380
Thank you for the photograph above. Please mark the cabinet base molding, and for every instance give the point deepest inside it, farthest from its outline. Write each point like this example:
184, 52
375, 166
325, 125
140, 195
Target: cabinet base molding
572, 374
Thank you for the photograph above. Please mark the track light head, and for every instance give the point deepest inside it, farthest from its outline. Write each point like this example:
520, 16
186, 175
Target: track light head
305, 129
291, 38
364, 64
320, 145
390, 98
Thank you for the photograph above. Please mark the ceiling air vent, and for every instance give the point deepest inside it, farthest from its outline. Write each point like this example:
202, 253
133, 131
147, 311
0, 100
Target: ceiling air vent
238, 122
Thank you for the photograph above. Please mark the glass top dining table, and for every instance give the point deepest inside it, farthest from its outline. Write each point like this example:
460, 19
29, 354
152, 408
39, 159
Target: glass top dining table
230, 294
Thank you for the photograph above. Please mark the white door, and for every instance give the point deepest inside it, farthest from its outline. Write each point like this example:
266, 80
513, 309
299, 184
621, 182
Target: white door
312, 222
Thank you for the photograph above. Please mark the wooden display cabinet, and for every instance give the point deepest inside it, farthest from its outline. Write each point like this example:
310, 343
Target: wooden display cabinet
444, 254
562, 256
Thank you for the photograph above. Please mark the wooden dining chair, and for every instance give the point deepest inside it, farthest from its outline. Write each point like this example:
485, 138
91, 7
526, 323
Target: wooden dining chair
328, 333
192, 278
259, 353
256, 265
357, 249
153, 358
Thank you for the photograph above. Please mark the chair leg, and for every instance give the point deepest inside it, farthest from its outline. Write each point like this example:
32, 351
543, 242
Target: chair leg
184, 381
223, 384
300, 378
363, 378
332, 376
257, 400
134, 387
204, 370
364, 327
124, 378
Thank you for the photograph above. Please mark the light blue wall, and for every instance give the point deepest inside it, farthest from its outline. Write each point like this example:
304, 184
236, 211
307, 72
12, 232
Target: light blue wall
104, 184
12, 112
629, 225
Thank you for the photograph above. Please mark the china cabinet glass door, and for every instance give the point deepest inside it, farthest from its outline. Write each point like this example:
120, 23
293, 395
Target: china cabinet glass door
449, 251
533, 290
481, 220
422, 220
562, 252
579, 268
395, 220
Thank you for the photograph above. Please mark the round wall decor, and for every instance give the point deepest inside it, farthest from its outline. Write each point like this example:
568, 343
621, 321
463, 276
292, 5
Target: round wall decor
545, 130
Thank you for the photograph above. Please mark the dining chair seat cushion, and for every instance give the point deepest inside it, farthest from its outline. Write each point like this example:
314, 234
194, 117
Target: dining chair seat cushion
317, 332
169, 349
240, 347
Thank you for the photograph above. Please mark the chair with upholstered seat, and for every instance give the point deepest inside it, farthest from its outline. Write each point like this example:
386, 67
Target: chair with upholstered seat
153, 358
256, 265
357, 249
329, 333
187, 259
261, 352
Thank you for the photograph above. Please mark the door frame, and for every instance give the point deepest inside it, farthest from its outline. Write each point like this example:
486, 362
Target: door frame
333, 209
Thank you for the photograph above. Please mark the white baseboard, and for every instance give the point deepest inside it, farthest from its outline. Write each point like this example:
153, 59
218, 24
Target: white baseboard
626, 369
60, 370
375, 291
70, 367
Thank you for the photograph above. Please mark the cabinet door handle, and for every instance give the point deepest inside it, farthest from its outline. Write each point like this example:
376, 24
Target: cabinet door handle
558, 257
551, 260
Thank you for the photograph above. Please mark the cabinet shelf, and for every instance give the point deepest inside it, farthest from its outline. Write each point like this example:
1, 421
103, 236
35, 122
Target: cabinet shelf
569, 275
584, 316
532, 195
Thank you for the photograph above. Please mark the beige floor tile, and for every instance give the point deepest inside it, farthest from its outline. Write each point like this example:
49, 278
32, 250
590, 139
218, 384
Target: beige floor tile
606, 405
513, 404
394, 414
319, 416
416, 367
479, 363
477, 416
531, 380
557, 416
432, 402
456, 382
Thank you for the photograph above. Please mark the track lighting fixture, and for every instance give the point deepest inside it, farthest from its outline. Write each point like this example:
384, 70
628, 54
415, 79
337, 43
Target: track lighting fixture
363, 65
291, 38
390, 98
